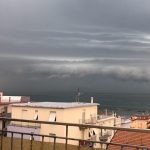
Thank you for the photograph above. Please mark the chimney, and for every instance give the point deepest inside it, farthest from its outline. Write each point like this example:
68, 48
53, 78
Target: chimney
92, 99
1, 96
9, 99
106, 112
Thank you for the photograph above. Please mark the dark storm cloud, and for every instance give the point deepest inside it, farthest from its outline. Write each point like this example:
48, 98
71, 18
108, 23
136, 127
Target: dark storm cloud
42, 42
75, 43
127, 14
48, 68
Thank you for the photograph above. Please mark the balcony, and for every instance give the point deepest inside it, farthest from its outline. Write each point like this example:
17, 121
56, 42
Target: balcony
94, 120
100, 117
91, 120
106, 136
25, 124
137, 138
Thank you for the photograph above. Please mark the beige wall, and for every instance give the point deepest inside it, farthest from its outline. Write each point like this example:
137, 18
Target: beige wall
139, 124
107, 122
0, 125
68, 115
74, 115
43, 113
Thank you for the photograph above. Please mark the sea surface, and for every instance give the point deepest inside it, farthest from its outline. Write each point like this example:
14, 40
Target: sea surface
125, 104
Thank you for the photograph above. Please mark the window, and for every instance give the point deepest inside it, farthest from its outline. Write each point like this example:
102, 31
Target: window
83, 117
35, 115
52, 116
89, 134
94, 132
24, 114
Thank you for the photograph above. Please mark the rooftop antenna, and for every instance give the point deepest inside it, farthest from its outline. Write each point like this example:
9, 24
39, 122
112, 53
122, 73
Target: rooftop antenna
78, 95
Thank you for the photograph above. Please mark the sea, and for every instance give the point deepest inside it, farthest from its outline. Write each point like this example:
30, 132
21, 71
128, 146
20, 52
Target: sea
124, 104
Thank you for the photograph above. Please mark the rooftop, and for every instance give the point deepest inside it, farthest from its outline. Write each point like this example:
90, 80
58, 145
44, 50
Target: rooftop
58, 105
132, 138
140, 117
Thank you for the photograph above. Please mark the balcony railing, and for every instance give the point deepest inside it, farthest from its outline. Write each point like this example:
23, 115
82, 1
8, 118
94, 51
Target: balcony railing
66, 138
25, 124
92, 120
99, 117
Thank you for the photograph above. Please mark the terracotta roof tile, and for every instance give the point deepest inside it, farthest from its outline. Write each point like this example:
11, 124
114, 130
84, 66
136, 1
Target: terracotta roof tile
128, 137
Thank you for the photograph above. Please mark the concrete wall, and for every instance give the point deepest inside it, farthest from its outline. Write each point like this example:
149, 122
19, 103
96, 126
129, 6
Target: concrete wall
25, 130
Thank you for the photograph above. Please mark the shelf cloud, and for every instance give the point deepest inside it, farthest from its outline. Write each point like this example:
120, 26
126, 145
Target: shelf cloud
51, 67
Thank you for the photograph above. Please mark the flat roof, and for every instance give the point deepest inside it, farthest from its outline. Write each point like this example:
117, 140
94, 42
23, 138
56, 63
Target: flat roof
57, 105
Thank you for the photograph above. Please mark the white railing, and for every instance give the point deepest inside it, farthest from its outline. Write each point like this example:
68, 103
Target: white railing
92, 120
25, 124
99, 117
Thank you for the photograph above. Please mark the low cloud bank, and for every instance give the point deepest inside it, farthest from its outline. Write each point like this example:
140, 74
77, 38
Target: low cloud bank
50, 68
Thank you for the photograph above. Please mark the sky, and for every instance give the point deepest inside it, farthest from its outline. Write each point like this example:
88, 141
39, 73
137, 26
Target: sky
61, 45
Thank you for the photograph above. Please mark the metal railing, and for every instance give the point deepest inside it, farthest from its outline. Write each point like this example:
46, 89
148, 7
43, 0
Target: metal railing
92, 120
95, 119
121, 146
25, 124
99, 117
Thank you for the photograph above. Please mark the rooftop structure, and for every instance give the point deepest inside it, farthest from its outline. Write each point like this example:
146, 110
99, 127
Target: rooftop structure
5, 101
13, 99
125, 122
56, 105
140, 117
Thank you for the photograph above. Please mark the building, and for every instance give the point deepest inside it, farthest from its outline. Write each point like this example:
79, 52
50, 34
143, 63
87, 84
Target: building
140, 121
5, 101
75, 112
5, 104
125, 122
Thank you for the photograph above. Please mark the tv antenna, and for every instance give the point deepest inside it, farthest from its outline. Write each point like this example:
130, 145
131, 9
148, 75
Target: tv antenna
78, 95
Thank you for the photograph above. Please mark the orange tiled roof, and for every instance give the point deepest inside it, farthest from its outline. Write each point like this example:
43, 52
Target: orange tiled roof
140, 117
128, 137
